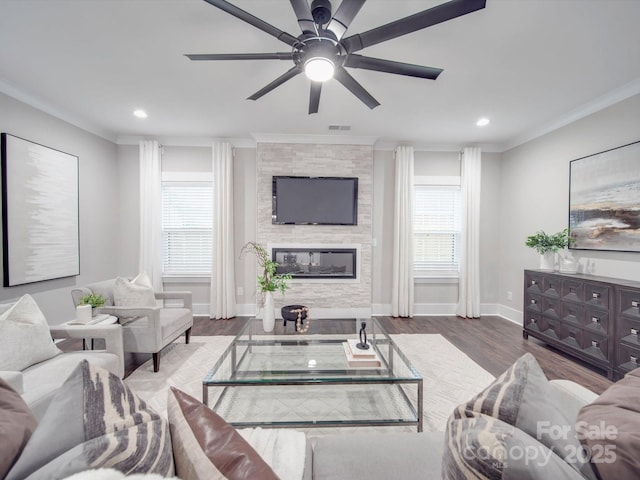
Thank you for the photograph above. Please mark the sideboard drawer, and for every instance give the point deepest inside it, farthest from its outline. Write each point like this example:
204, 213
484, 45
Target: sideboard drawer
597, 295
596, 320
572, 290
552, 308
573, 313
629, 303
628, 358
533, 282
552, 286
595, 345
533, 303
628, 330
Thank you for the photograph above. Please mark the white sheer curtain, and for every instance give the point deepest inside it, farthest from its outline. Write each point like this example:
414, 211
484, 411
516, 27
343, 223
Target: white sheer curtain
402, 287
150, 251
469, 286
223, 284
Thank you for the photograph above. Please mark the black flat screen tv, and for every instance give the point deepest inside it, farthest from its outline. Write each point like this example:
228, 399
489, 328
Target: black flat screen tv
314, 200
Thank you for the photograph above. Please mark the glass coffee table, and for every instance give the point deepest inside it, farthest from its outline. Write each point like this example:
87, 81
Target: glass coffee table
293, 380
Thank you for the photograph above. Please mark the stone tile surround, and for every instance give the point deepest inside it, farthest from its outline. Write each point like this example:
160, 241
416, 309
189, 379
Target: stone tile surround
328, 161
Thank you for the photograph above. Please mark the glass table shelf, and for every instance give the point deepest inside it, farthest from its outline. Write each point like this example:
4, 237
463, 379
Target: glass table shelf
292, 380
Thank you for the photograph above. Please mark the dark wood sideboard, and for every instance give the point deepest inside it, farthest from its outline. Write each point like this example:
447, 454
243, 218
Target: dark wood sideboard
595, 319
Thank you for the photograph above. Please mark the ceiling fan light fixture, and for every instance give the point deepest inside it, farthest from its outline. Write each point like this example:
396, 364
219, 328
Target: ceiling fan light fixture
319, 69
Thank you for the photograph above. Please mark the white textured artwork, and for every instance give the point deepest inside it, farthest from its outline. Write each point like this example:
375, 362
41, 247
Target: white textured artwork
40, 214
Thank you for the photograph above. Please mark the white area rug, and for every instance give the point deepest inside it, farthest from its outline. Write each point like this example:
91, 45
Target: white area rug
450, 376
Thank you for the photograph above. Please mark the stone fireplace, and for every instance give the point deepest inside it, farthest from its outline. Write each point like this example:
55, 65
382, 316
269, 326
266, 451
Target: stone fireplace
327, 291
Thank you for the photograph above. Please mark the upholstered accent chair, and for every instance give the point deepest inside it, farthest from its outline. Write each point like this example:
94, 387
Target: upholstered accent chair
144, 329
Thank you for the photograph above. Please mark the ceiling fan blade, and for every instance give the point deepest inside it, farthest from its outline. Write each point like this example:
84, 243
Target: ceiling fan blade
240, 56
438, 14
288, 75
343, 17
314, 97
255, 21
303, 14
354, 87
388, 66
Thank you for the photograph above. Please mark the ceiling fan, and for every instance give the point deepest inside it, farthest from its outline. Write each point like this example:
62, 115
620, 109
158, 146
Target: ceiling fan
322, 51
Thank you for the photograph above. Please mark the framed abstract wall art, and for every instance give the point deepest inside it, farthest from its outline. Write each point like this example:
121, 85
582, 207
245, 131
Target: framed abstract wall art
39, 212
604, 200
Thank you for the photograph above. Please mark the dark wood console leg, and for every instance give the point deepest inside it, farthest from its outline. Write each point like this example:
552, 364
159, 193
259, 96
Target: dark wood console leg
187, 335
525, 335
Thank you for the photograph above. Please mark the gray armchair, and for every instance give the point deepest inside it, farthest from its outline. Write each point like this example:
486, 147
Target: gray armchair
145, 329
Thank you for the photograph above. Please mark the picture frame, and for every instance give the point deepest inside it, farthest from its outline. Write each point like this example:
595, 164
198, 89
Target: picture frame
604, 200
40, 212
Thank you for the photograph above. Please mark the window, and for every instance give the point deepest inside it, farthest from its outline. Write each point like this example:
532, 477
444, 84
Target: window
187, 212
436, 228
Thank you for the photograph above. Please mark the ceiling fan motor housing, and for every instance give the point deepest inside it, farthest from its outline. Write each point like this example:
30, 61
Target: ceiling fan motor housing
321, 11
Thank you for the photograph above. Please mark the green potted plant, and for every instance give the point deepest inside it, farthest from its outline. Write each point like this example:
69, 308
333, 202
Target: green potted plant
548, 245
269, 281
94, 299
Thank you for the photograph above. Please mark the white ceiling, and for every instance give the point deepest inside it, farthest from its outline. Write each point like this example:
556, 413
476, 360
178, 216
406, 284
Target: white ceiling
526, 64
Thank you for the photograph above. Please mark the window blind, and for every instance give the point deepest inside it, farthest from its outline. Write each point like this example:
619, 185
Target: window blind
436, 230
187, 211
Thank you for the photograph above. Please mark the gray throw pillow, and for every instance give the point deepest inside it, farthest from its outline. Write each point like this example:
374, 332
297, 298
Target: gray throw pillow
523, 397
95, 421
483, 447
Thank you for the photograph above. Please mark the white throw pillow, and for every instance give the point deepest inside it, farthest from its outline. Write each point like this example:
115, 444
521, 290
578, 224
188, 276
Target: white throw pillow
24, 336
135, 293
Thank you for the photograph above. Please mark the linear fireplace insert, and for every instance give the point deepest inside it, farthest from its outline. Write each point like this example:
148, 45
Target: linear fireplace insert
316, 262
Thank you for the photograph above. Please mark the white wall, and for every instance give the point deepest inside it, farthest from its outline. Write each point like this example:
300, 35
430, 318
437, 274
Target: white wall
99, 226
534, 185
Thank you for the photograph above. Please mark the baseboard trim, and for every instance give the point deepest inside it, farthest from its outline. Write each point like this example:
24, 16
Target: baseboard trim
376, 310
510, 314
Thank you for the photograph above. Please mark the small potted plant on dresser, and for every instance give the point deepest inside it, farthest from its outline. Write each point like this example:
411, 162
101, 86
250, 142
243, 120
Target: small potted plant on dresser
548, 245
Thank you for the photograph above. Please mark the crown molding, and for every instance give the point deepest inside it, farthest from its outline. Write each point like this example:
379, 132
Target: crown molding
32, 101
611, 98
313, 139
186, 141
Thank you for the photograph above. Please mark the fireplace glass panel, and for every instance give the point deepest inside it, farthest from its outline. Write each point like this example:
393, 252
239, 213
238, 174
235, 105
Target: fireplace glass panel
316, 262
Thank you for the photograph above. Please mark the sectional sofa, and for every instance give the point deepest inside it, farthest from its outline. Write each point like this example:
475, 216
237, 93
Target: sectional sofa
520, 427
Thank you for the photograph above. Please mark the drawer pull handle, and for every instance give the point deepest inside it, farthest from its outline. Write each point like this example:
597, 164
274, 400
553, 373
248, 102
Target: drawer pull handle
596, 295
533, 302
533, 282
634, 331
634, 303
572, 290
594, 343
595, 320
633, 359
533, 320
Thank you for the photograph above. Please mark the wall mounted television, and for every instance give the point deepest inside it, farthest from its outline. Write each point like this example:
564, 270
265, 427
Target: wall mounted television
314, 200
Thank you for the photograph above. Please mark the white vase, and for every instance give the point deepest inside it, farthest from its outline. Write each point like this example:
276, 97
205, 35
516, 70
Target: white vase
548, 261
269, 314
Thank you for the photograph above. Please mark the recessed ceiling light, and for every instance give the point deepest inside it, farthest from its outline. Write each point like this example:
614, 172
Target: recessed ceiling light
482, 122
140, 113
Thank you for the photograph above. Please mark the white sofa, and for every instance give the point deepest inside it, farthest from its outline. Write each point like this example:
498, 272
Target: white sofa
37, 383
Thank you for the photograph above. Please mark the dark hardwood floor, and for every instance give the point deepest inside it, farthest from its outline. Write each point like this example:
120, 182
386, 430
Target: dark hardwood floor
492, 342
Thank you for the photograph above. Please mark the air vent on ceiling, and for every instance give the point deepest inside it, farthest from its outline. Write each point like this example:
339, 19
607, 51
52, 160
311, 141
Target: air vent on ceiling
343, 128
